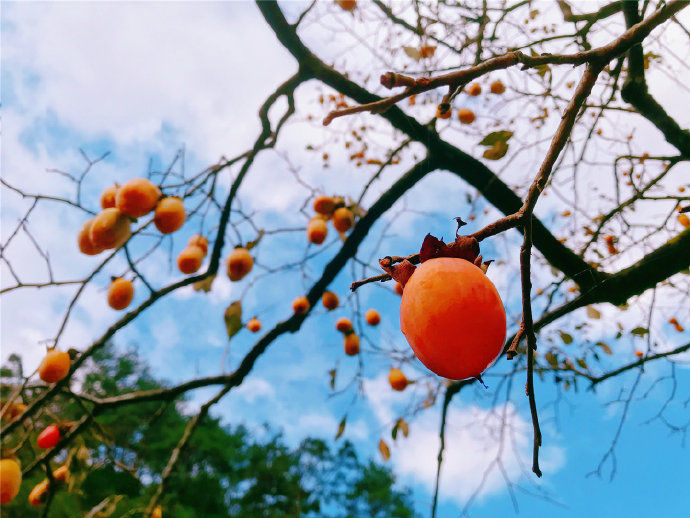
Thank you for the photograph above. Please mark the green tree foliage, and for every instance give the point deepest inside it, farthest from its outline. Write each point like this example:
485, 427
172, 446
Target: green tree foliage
225, 471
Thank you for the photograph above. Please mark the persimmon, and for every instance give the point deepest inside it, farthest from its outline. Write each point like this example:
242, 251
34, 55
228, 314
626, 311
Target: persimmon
240, 263
317, 231
86, 246
398, 380
343, 219
351, 344
344, 325
347, 5
54, 367
157, 512
453, 318
13, 411
137, 197
169, 215
324, 205
109, 229
10, 480
300, 305
200, 241
639, 354
443, 115
120, 293
254, 325
474, 89
49, 437
61, 474
497, 87
108, 196
372, 317
398, 288
674, 322
38, 493
466, 115
189, 260
684, 220
330, 300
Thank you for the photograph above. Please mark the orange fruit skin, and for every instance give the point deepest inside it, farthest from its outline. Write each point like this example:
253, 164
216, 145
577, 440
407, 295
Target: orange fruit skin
38, 493
343, 219
108, 196
372, 317
347, 5
300, 305
120, 293
453, 318
61, 474
200, 241
344, 325
398, 288
254, 325
240, 263
330, 300
317, 231
684, 220
14, 411
189, 260
397, 380
157, 512
10, 480
109, 229
137, 197
54, 367
497, 87
86, 246
324, 205
351, 344
169, 215
474, 89
466, 116
444, 115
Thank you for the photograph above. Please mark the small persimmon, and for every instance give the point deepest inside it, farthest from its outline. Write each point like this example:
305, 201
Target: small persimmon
351, 344
474, 89
343, 219
108, 196
684, 220
54, 367
372, 317
157, 512
190, 259
317, 231
344, 325
399, 288
240, 263
61, 474
639, 354
49, 437
453, 318
398, 380
120, 293
109, 229
200, 241
466, 115
324, 205
497, 87
169, 215
86, 246
330, 300
137, 197
38, 493
347, 5
10, 480
254, 325
443, 115
300, 305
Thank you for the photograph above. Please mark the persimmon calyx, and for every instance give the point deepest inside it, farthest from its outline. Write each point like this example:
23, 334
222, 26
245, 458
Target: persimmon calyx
464, 247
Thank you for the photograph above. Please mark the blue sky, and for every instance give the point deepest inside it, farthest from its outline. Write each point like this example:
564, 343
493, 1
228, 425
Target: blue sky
145, 80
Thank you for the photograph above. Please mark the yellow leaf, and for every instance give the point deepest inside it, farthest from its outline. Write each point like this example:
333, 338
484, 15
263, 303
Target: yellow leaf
204, 285
593, 313
413, 52
385, 451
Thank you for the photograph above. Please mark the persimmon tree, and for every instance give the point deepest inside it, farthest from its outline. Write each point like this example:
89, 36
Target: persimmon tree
517, 102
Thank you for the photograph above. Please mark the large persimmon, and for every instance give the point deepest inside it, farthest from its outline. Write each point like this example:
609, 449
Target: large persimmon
453, 318
10, 480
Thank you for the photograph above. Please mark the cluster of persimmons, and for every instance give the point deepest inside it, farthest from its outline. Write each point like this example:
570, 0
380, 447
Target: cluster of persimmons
329, 208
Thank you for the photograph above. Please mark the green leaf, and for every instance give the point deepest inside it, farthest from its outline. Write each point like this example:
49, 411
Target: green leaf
233, 318
497, 136
567, 339
394, 431
605, 348
593, 313
341, 427
640, 331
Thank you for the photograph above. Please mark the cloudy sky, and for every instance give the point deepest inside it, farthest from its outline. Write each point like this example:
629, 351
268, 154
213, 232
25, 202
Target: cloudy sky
143, 81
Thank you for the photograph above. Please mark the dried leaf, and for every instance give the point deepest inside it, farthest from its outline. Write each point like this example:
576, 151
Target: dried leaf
593, 313
495, 137
384, 449
404, 427
496, 152
551, 358
605, 348
331, 374
205, 284
640, 331
582, 363
341, 427
567, 339
233, 318
413, 52
252, 244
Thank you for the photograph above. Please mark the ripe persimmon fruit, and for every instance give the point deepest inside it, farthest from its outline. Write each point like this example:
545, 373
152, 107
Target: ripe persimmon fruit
397, 379
300, 305
109, 229
54, 367
372, 317
108, 196
639, 353
399, 288
344, 325
189, 259
200, 241
120, 293
474, 89
684, 220
157, 512
453, 318
497, 87
443, 115
10, 480
38, 493
240, 263
330, 300
466, 115
317, 231
86, 246
137, 197
169, 215
351, 344
343, 219
347, 5
49, 437
254, 325
324, 205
